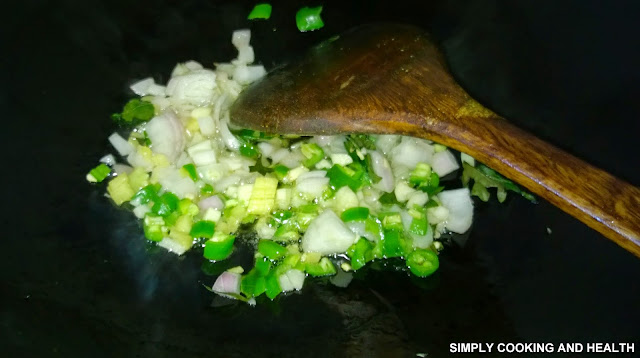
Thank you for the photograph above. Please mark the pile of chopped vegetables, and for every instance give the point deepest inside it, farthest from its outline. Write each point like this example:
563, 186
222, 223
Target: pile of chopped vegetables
311, 206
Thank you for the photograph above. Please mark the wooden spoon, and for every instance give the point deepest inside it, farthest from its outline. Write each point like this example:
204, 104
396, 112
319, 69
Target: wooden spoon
392, 79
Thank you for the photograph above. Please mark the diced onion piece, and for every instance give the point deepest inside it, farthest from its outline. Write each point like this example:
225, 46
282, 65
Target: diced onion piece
166, 134
196, 87
172, 180
203, 157
312, 186
386, 142
437, 215
174, 246
193, 65
460, 207
412, 151
291, 280
148, 87
312, 174
207, 125
403, 191
108, 159
245, 55
419, 198
141, 210
423, 242
122, 146
341, 278
227, 282
241, 38
444, 163
248, 74
327, 235
140, 87
212, 202
121, 168
341, 158
228, 138
382, 169
345, 198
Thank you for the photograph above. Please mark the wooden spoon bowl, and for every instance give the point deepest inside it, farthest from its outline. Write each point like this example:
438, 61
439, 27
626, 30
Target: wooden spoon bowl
392, 79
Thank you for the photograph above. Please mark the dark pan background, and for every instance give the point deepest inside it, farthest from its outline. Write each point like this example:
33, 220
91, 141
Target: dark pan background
77, 280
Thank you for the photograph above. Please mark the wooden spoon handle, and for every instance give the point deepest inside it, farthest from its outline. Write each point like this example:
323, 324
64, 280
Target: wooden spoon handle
603, 202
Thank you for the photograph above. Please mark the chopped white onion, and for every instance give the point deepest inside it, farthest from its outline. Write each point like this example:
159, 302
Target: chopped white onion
122, 146
166, 134
460, 207
227, 68
248, 74
207, 125
241, 38
387, 142
418, 197
212, 202
411, 151
108, 159
204, 157
291, 280
312, 174
193, 65
341, 279
381, 167
148, 87
137, 160
245, 55
172, 180
173, 246
327, 235
121, 168
227, 137
196, 87
141, 210
312, 186
403, 191
341, 158
140, 88
444, 163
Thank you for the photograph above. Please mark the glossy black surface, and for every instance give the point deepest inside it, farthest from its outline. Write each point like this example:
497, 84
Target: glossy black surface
76, 279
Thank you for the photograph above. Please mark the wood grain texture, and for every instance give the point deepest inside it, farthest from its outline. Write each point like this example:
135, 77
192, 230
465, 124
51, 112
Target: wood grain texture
392, 79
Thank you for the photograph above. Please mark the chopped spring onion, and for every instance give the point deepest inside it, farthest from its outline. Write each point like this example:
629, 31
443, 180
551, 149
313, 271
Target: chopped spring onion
260, 11
98, 174
154, 228
308, 19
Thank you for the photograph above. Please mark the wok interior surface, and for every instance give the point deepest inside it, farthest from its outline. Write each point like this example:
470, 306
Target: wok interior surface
78, 279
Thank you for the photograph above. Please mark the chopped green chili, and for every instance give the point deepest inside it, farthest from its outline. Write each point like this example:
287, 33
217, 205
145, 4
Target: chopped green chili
260, 11
308, 19
422, 263
355, 214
